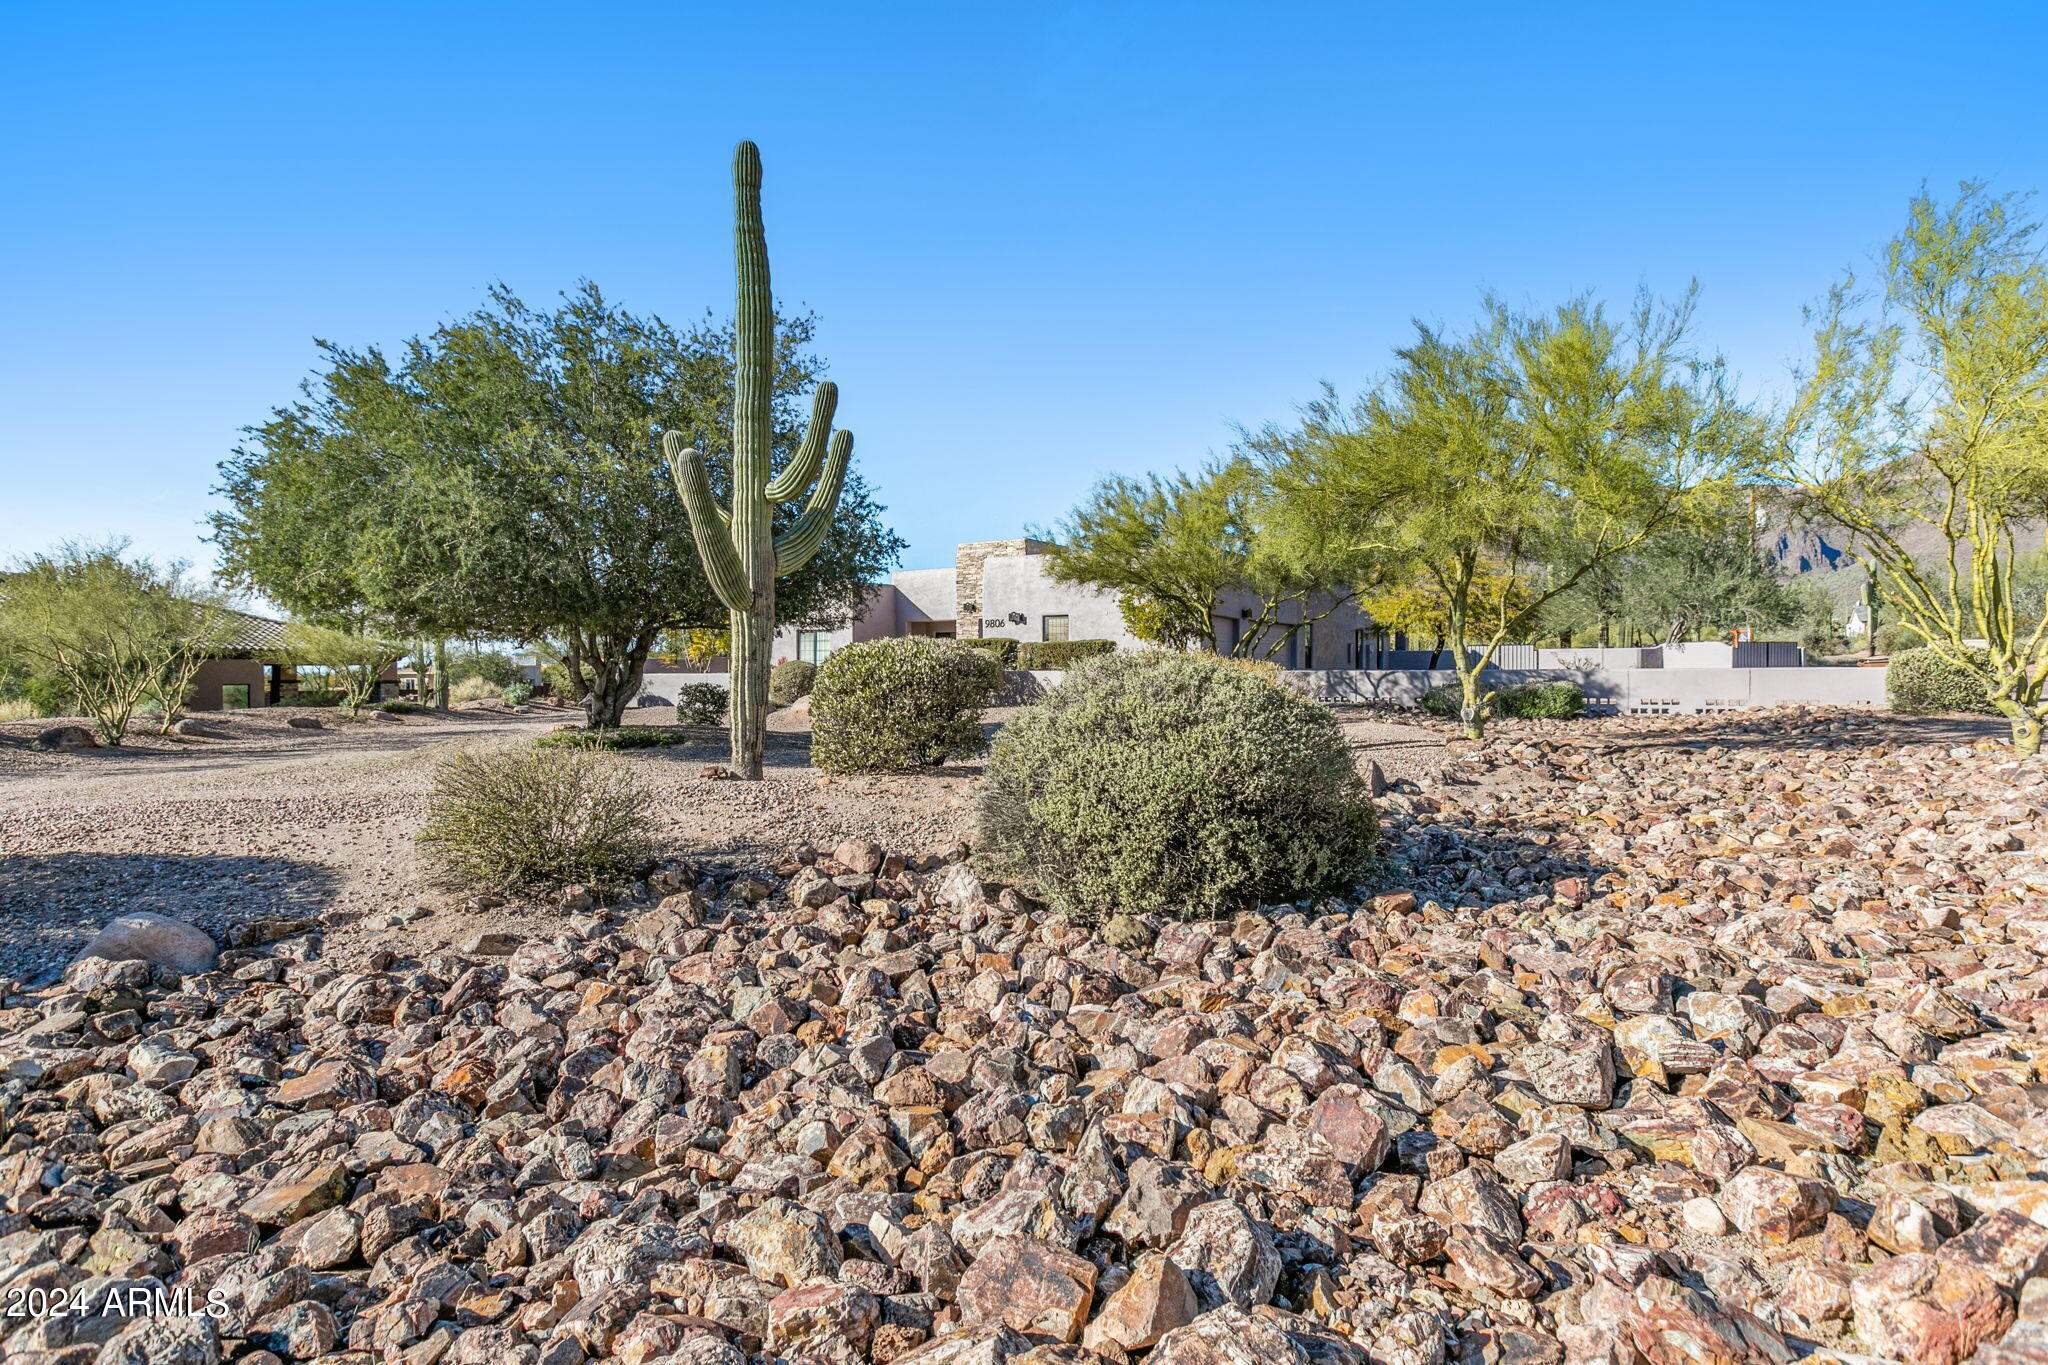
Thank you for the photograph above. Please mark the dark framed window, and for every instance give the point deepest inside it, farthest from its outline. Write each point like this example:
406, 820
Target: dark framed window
1052, 628
812, 646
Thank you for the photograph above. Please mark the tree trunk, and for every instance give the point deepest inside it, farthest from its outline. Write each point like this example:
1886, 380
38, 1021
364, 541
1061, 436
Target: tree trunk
604, 705
441, 674
753, 640
615, 666
1472, 707
2026, 728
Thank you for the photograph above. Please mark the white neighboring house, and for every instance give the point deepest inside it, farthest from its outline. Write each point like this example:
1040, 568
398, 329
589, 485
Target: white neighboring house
1001, 588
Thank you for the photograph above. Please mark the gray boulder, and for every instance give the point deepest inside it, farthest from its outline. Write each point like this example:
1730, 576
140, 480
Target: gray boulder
159, 940
64, 737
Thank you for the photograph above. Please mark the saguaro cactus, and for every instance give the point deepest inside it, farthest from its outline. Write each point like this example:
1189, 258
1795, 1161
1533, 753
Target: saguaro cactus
742, 554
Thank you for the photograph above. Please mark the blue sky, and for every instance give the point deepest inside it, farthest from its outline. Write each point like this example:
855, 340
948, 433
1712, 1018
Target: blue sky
1046, 241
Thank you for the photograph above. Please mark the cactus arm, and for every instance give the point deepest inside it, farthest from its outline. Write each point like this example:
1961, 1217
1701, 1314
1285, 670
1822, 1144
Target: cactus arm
790, 484
795, 547
710, 524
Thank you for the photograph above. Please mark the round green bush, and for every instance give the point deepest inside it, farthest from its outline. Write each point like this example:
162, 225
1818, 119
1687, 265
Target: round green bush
1059, 654
700, 704
1541, 701
1002, 646
1445, 700
517, 694
1154, 781
790, 681
1920, 682
506, 819
887, 705
48, 696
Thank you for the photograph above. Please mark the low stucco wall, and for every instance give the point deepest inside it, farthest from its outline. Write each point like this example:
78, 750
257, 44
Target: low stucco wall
1674, 690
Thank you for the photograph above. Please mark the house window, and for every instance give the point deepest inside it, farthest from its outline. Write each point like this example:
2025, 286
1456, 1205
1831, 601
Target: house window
1358, 649
1054, 628
811, 646
234, 696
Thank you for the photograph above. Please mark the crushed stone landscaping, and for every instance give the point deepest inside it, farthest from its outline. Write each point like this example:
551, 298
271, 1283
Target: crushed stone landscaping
1662, 1039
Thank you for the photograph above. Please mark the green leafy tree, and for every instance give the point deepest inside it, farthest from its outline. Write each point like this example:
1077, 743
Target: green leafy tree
1921, 427
493, 666
116, 633
500, 478
1698, 580
1173, 546
1505, 466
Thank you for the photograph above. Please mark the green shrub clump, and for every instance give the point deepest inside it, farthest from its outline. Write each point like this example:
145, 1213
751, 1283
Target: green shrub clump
1445, 700
1153, 781
313, 696
790, 681
1002, 646
473, 689
400, 708
517, 694
508, 819
1051, 655
626, 737
1541, 701
887, 705
1525, 701
48, 697
700, 704
1920, 682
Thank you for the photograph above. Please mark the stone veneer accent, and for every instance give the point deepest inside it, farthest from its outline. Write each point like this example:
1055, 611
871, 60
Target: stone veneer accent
967, 561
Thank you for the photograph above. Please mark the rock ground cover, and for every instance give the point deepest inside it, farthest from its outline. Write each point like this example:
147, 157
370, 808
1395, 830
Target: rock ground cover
1669, 1040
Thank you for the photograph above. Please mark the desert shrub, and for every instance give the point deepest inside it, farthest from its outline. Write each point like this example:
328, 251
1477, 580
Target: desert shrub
1174, 783
47, 696
510, 818
1002, 646
700, 704
1897, 639
1057, 654
884, 705
474, 689
1920, 682
790, 681
495, 668
313, 696
626, 737
400, 708
16, 708
517, 693
1445, 700
1541, 701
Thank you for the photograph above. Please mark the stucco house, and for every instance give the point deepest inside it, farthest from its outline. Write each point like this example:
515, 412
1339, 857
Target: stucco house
245, 672
249, 671
997, 588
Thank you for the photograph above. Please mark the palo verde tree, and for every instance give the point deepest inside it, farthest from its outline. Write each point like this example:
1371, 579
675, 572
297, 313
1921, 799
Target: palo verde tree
501, 479
1172, 547
742, 550
1499, 468
1921, 428
350, 664
117, 632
